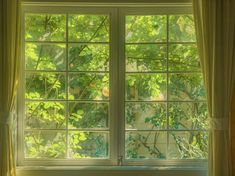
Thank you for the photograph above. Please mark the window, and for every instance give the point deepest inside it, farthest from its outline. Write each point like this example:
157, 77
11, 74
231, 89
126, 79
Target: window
111, 86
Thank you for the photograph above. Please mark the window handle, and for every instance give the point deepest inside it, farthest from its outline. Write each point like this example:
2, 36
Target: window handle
120, 160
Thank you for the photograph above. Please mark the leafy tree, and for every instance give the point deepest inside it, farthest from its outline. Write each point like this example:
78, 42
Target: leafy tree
163, 86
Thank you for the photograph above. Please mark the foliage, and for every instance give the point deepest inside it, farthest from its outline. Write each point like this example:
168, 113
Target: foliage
67, 88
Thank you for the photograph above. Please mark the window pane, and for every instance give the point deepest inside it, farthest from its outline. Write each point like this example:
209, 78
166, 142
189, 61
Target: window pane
88, 115
89, 86
45, 144
181, 28
188, 86
67, 64
45, 27
145, 115
188, 145
88, 57
88, 144
88, 28
45, 115
59, 65
190, 116
146, 145
45, 86
183, 57
146, 87
45, 56
147, 57
146, 28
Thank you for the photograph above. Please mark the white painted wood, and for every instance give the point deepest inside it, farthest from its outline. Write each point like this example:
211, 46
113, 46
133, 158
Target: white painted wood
95, 6
110, 171
113, 1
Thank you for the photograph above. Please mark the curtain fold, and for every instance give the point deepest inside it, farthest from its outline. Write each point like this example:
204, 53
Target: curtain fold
9, 67
215, 25
232, 124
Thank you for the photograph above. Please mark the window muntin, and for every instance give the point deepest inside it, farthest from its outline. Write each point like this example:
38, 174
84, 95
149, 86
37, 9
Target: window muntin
67, 86
161, 104
165, 109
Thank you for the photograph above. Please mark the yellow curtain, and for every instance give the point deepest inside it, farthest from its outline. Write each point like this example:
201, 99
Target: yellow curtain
9, 62
215, 25
233, 132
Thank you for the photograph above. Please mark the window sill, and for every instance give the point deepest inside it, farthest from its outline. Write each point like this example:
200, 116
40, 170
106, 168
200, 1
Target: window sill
110, 171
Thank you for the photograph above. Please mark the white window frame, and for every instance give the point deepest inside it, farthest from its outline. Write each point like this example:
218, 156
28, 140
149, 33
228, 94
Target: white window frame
164, 10
113, 95
117, 13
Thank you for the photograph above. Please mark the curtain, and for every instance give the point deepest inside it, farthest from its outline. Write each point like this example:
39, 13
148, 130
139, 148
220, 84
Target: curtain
215, 25
9, 62
233, 132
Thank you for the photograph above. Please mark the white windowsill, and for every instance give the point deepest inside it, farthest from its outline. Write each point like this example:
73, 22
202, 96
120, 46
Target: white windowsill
110, 171
118, 168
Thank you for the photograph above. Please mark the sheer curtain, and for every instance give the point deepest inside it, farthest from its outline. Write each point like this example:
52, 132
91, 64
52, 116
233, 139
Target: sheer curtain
215, 25
9, 59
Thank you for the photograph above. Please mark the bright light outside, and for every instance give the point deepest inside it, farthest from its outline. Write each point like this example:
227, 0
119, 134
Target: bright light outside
67, 88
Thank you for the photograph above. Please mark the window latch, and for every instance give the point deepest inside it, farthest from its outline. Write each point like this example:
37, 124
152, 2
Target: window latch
120, 159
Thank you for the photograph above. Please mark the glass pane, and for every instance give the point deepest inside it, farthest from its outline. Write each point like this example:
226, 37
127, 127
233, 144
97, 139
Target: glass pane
89, 86
45, 27
45, 86
145, 115
89, 28
188, 86
45, 56
45, 145
146, 145
88, 144
146, 28
146, 87
88, 115
145, 57
189, 116
188, 145
89, 57
181, 28
183, 57
42, 115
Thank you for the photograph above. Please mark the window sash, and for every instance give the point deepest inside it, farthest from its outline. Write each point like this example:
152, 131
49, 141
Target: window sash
117, 77
112, 97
